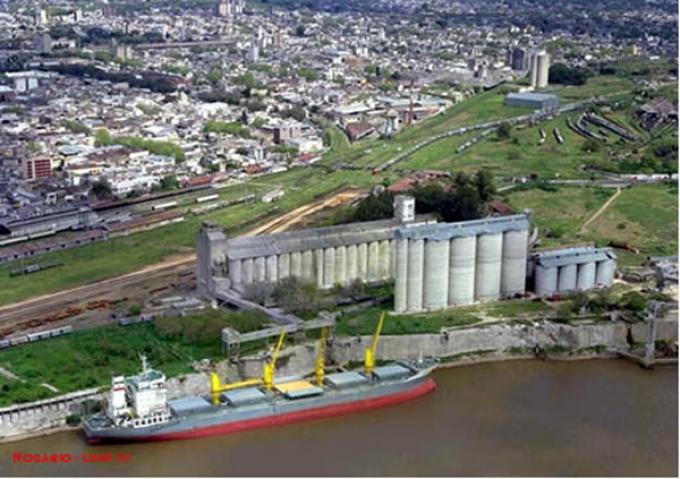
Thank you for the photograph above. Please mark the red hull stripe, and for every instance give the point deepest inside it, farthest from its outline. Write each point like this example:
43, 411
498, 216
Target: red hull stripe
308, 414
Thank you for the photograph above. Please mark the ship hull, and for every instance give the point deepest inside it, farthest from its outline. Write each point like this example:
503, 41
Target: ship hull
298, 411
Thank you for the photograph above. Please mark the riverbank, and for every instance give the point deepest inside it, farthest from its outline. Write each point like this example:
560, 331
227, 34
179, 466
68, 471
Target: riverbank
579, 418
456, 347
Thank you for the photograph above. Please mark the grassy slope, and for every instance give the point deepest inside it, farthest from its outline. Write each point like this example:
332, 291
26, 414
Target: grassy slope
561, 213
89, 358
644, 216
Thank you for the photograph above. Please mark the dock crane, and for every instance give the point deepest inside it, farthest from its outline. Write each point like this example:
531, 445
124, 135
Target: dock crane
270, 366
369, 353
320, 363
267, 379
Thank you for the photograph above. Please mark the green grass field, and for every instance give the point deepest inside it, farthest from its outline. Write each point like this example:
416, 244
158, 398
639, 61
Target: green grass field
89, 358
645, 216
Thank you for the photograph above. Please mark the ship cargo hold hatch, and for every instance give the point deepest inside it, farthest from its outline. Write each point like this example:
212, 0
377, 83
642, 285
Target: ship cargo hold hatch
189, 405
345, 380
393, 371
243, 397
298, 389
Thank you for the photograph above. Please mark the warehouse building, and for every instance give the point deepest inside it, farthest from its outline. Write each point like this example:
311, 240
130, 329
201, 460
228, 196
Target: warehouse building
537, 101
572, 269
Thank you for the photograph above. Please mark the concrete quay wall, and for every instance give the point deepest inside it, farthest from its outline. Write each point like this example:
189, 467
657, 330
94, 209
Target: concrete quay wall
495, 341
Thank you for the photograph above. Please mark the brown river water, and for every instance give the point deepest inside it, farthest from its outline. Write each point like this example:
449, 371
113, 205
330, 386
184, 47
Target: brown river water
528, 418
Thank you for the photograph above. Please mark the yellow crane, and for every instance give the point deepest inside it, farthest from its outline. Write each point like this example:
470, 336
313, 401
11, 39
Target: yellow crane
270, 366
216, 387
320, 364
369, 353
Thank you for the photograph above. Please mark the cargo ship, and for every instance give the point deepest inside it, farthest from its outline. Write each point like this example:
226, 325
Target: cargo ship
139, 411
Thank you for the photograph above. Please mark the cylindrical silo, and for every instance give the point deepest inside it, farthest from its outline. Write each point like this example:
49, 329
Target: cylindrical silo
566, 278
260, 269
401, 276
352, 264
318, 267
543, 69
488, 267
604, 274
284, 266
393, 258
436, 275
235, 273
514, 263
362, 262
384, 261
308, 266
533, 70
586, 276
463, 254
248, 270
414, 285
545, 279
341, 265
328, 267
373, 260
296, 264
271, 269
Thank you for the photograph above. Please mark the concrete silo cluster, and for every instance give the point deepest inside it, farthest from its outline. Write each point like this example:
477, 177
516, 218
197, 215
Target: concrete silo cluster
539, 69
572, 269
434, 265
335, 255
450, 264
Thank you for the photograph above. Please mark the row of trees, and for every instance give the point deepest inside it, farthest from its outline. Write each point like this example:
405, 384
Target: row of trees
103, 137
562, 74
462, 197
155, 82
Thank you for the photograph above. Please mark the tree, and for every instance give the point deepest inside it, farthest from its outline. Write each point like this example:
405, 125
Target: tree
466, 205
102, 137
300, 31
375, 207
169, 182
258, 122
591, 145
214, 75
562, 74
294, 295
504, 131
485, 185
101, 189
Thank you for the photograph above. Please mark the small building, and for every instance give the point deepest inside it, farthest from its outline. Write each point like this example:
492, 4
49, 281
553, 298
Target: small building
357, 131
537, 101
272, 195
37, 168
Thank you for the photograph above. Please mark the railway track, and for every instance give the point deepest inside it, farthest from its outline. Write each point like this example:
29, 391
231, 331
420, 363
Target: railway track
41, 306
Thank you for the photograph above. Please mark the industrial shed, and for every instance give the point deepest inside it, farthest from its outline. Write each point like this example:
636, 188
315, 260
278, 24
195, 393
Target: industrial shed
571, 269
537, 101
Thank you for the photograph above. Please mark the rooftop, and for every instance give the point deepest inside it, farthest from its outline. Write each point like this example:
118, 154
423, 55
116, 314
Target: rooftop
578, 255
446, 231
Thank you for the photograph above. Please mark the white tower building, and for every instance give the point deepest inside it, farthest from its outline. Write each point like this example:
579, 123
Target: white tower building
540, 69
